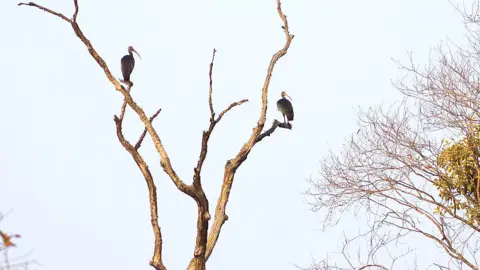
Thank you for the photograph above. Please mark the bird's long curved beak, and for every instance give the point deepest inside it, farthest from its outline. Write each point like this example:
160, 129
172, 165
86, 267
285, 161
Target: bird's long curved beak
289, 97
137, 53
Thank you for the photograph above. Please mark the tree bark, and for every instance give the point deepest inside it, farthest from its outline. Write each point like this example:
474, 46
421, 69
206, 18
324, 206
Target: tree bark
197, 263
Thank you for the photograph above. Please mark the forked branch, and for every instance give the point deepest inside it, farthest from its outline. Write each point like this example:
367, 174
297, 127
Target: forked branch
156, 261
233, 164
213, 122
199, 259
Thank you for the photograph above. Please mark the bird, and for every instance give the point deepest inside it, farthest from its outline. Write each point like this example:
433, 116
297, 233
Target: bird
127, 65
285, 107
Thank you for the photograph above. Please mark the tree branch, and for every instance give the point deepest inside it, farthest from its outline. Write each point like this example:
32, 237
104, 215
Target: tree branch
124, 105
199, 260
156, 261
276, 124
164, 159
233, 105
140, 140
75, 3
206, 138
233, 164
60, 15
210, 101
213, 123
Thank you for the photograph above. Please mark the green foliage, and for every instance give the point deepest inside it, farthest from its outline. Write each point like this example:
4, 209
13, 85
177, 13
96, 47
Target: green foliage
458, 186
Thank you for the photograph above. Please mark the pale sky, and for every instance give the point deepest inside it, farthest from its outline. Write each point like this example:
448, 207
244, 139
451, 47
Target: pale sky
80, 201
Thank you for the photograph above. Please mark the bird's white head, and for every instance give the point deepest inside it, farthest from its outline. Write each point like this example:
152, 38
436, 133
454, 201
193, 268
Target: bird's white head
284, 94
131, 49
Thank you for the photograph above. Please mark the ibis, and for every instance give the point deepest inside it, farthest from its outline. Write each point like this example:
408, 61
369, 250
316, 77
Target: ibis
127, 64
285, 107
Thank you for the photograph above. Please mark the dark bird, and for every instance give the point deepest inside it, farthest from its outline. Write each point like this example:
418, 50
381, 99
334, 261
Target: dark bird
127, 64
285, 107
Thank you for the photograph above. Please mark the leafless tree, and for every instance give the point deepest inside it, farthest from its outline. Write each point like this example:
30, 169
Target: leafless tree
206, 237
386, 171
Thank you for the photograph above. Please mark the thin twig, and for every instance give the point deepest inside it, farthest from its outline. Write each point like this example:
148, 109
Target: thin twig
210, 93
142, 136
75, 14
233, 105
60, 15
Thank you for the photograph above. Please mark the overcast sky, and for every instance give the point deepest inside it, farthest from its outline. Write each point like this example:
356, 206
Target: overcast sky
80, 201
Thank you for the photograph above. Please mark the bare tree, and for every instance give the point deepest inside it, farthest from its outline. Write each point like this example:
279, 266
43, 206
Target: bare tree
392, 171
205, 239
